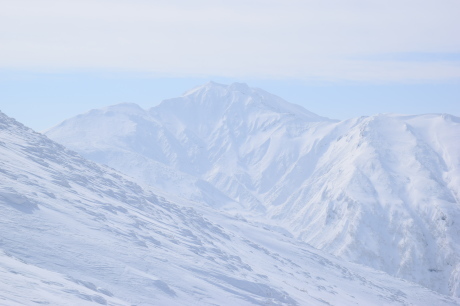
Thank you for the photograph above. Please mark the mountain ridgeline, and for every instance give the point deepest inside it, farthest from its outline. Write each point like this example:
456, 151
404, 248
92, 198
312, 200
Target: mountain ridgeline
382, 191
73, 232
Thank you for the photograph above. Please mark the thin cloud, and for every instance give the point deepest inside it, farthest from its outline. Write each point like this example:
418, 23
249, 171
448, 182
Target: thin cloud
297, 39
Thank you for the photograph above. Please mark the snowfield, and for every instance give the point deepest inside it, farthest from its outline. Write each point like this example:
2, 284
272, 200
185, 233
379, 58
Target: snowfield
77, 233
382, 191
230, 196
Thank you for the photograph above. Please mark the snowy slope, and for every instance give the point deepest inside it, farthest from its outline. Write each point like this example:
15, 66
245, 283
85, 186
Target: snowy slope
380, 190
385, 194
193, 140
73, 232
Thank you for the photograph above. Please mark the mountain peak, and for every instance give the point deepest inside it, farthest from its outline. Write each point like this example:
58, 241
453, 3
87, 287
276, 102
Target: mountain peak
241, 87
209, 86
212, 86
215, 98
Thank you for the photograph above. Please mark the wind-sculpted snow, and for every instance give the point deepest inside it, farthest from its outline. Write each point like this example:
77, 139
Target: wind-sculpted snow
74, 232
380, 190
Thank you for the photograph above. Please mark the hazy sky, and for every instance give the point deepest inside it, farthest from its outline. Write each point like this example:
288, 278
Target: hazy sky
337, 58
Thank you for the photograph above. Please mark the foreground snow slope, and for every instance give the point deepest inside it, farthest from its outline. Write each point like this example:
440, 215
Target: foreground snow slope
73, 232
380, 190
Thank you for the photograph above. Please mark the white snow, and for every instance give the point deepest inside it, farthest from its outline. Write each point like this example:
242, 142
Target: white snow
73, 232
381, 191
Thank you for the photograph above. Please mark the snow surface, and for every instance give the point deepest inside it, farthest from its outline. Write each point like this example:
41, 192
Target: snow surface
381, 191
73, 232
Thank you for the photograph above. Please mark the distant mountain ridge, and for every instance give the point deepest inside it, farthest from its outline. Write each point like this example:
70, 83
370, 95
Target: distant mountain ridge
75, 232
380, 190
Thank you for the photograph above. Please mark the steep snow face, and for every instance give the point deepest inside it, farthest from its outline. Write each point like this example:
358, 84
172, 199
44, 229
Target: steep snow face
380, 190
73, 232
384, 194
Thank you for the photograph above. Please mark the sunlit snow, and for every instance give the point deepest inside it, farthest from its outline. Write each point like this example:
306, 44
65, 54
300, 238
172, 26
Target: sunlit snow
231, 196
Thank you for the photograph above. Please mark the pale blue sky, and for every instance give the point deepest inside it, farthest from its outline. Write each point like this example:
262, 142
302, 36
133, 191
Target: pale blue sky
43, 100
339, 59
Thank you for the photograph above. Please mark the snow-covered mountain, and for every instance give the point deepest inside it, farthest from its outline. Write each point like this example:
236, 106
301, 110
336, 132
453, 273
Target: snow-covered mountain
381, 190
74, 232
